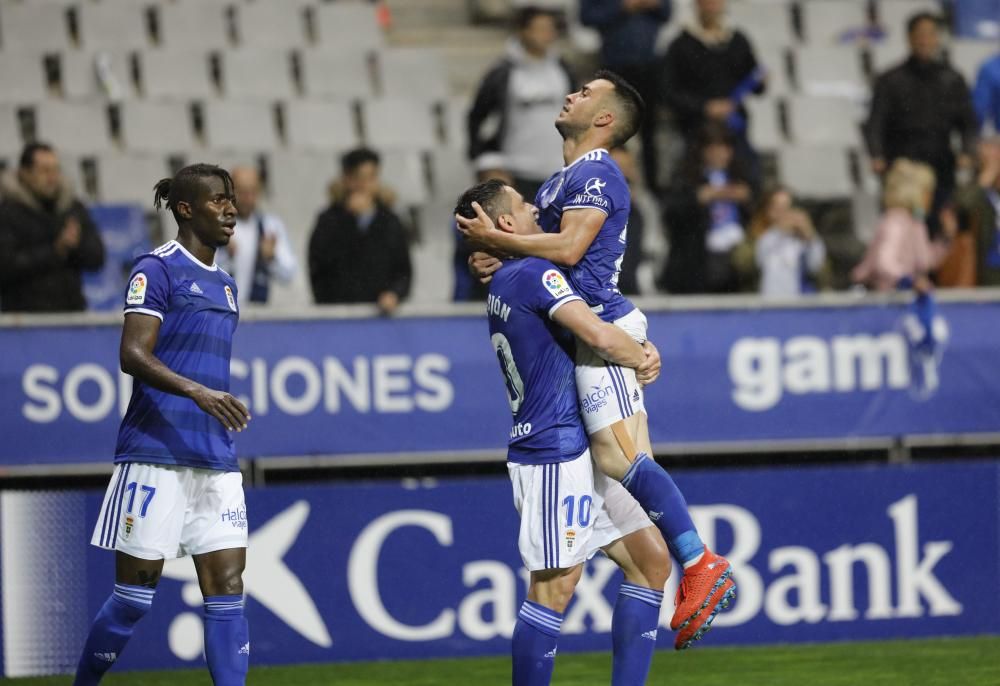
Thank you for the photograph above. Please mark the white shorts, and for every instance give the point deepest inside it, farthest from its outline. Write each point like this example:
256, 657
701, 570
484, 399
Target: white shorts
569, 512
609, 393
159, 512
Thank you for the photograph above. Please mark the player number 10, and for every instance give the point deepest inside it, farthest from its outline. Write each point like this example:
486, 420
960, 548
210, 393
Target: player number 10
148, 492
584, 513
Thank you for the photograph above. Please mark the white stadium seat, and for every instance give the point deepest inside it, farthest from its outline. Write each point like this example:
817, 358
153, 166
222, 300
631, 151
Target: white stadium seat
774, 60
825, 21
766, 23
129, 178
347, 25
74, 128
403, 171
451, 173
257, 74
33, 27
327, 126
160, 127
270, 25
112, 25
417, 73
22, 78
336, 74
244, 126
765, 123
831, 71
10, 132
399, 123
79, 75
815, 172
175, 74
824, 121
193, 25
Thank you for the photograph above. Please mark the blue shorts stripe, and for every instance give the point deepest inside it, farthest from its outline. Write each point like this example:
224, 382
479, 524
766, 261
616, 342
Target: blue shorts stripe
118, 509
109, 507
624, 386
618, 393
555, 515
544, 513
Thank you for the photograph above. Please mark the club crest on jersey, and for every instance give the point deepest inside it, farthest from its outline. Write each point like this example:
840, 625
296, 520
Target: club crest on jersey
230, 299
556, 283
570, 539
127, 527
595, 186
137, 290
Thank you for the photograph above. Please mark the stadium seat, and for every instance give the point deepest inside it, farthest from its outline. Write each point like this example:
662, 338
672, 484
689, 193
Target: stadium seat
451, 173
433, 272
80, 80
456, 113
160, 127
75, 128
22, 78
33, 27
176, 74
775, 61
399, 123
768, 23
298, 182
227, 159
765, 123
249, 73
129, 177
815, 172
327, 126
270, 25
112, 25
824, 121
417, 73
403, 171
346, 25
967, 56
337, 74
244, 126
834, 71
10, 132
193, 25
824, 22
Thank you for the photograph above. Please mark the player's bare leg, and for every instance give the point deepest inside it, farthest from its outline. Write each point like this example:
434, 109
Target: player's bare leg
227, 637
536, 634
135, 586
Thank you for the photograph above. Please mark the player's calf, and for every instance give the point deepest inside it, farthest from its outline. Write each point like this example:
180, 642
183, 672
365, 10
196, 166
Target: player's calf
111, 630
536, 634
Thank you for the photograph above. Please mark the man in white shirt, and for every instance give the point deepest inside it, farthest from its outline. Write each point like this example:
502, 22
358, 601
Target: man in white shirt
259, 251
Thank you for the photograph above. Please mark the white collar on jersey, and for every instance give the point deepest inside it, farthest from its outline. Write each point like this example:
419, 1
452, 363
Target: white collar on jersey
592, 155
173, 246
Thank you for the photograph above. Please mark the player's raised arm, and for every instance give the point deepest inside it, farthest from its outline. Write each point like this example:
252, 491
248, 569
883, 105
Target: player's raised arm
577, 231
139, 335
607, 340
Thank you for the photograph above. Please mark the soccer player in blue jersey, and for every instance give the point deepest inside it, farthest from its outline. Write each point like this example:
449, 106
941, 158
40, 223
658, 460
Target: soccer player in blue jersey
568, 511
584, 210
176, 488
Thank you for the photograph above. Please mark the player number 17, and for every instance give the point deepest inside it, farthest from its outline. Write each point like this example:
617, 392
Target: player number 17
148, 493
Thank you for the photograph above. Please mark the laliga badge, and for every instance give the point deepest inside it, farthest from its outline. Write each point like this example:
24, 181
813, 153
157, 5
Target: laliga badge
137, 290
555, 282
230, 299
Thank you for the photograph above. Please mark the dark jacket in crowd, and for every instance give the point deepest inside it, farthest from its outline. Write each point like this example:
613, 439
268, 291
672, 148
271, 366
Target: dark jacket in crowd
978, 214
689, 267
351, 265
627, 38
915, 108
694, 72
33, 276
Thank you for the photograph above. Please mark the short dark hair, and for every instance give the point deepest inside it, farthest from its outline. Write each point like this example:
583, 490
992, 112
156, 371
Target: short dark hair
27, 160
491, 197
632, 107
527, 14
353, 159
185, 185
914, 21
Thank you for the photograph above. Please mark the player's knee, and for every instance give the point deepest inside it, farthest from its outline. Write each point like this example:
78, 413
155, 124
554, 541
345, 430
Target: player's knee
607, 454
226, 579
554, 588
655, 567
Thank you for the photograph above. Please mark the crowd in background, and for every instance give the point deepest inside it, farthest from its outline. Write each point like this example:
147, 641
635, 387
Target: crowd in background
730, 228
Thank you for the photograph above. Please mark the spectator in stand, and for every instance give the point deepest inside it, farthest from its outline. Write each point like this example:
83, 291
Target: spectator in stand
787, 250
518, 100
916, 107
259, 251
986, 95
628, 281
978, 205
706, 210
902, 254
359, 251
628, 40
47, 237
707, 73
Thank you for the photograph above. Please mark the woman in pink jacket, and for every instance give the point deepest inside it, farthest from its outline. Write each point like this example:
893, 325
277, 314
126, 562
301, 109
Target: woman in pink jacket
902, 252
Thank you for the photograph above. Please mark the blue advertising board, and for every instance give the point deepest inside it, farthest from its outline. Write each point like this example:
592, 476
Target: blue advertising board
431, 384
387, 571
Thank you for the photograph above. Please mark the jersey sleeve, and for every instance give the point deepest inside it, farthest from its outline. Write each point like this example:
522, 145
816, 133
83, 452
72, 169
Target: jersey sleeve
545, 288
148, 288
593, 185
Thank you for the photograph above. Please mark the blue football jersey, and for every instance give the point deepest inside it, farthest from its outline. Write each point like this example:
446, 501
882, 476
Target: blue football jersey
593, 181
536, 359
197, 305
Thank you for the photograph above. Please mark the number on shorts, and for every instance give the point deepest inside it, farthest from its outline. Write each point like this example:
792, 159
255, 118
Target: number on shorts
515, 386
148, 493
583, 514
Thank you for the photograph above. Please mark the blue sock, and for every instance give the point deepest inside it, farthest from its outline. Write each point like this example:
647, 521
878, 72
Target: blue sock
111, 630
650, 484
533, 646
227, 640
633, 633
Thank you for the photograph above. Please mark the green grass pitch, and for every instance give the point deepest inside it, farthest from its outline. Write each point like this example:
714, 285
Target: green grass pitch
967, 661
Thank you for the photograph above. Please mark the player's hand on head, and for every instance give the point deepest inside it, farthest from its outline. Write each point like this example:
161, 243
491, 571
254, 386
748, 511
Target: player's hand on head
476, 230
482, 266
230, 412
649, 371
